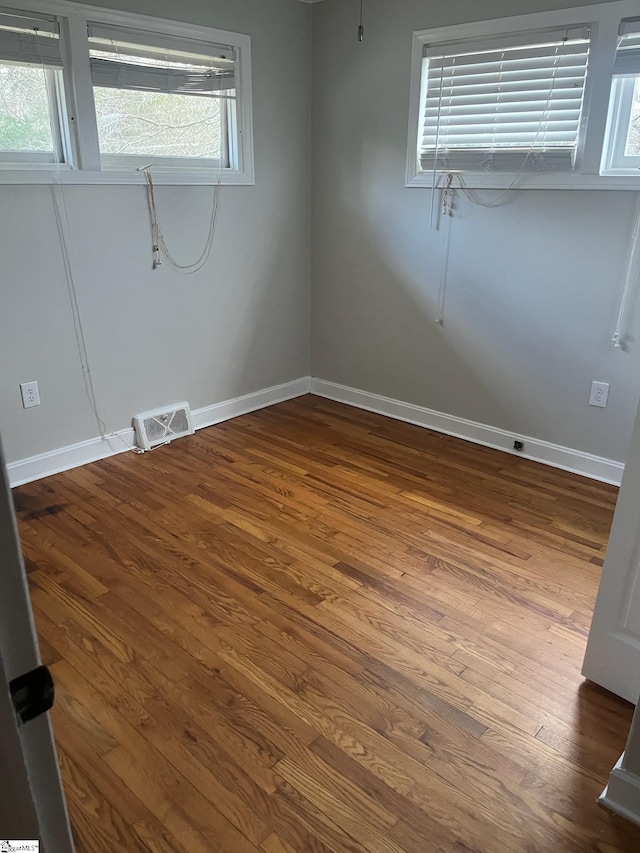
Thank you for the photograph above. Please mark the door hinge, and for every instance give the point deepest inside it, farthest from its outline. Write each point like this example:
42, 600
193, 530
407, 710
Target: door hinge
32, 693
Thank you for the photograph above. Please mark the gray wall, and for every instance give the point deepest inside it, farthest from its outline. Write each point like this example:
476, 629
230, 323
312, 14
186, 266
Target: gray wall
534, 285
239, 325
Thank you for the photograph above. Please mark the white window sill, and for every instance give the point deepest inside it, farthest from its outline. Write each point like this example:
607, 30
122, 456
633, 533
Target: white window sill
66, 176
530, 181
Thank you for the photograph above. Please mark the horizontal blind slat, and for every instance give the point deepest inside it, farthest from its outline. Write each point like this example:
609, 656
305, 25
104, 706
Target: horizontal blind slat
497, 60
43, 23
20, 42
516, 41
471, 114
505, 76
488, 137
503, 123
630, 27
484, 94
122, 41
120, 75
628, 54
560, 160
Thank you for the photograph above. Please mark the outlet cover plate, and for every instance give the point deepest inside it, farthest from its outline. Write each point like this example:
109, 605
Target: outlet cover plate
30, 394
599, 394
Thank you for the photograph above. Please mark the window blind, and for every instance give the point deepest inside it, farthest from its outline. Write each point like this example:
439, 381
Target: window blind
30, 40
627, 62
506, 104
124, 59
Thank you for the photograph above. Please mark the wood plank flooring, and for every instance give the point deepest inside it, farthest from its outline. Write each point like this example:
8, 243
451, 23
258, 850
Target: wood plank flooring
314, 629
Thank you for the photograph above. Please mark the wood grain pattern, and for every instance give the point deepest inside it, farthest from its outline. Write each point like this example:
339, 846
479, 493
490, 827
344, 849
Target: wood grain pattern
313, 629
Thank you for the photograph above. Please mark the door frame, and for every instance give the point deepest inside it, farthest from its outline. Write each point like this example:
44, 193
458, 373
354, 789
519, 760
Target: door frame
612, 657
28, 760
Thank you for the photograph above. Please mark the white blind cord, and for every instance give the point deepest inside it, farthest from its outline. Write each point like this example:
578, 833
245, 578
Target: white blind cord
158, 243
543, 120
619, 339
434, 176
159, 246
446, 210
448, 198
62, 224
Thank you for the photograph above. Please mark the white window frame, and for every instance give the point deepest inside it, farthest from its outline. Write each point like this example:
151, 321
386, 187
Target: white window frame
604, 21
77, 119
615, 161
53, 79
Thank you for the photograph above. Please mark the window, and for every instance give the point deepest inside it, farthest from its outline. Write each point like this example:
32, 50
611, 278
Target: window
622, 144
97, 100
543, 100
30, 85
509, 103
164, 101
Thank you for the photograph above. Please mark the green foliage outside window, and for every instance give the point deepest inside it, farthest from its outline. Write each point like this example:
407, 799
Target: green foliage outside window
25, 123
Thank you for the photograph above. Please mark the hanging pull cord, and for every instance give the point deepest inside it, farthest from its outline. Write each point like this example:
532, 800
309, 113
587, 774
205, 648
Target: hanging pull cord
448, 196
495, 202
446, 210
619, 339
159, 245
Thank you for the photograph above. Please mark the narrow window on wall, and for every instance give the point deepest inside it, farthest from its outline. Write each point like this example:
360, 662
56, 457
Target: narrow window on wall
30, 91
622, 144
163, 101
505, 104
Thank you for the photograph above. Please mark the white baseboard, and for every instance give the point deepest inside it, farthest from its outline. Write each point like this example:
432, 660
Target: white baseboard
622, 794
595, 467
219, 412
73, 455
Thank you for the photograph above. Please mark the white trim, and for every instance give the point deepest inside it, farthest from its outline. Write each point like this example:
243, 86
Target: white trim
531, 181
62, 175
622, 794
219, 412
74, 455
71, 456
566, 458
147, 22
614, 159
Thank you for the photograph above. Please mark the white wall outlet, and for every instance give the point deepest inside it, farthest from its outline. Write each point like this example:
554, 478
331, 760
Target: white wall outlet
30, 394
599, 394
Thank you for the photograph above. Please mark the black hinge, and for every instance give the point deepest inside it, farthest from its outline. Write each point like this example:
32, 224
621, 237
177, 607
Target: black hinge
32, 693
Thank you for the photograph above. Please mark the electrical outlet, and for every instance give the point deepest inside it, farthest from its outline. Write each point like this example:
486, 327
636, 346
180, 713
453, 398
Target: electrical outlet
599, 394
30, 394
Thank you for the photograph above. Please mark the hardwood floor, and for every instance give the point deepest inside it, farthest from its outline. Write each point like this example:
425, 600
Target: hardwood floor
315, 629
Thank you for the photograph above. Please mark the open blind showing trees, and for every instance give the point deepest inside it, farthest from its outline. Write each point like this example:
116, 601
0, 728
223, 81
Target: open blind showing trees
507, 104
161, 97
30, 71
